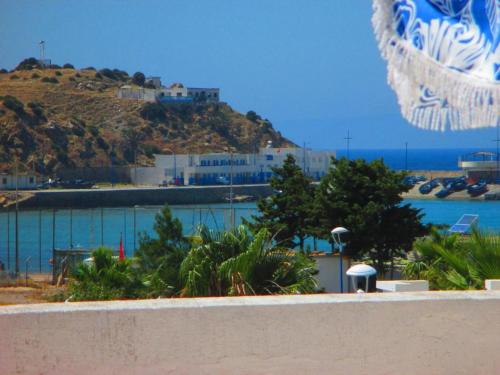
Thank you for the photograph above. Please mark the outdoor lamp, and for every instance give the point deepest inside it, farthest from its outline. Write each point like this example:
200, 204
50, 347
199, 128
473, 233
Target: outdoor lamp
336, 232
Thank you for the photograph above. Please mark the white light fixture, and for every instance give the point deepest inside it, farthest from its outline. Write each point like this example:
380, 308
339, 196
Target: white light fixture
336, 232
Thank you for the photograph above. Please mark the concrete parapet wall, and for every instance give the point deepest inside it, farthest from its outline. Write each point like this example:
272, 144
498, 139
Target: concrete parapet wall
128, 197
393, 333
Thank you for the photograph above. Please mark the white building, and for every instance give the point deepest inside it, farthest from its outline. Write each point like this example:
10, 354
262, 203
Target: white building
218, 168
24, 181
175, 93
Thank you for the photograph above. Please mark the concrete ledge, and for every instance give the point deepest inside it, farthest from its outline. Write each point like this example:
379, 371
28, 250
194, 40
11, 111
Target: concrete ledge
393, 333
403, 285
492, 284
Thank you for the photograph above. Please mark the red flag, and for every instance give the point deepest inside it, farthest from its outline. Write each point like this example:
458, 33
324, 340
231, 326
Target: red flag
122, 251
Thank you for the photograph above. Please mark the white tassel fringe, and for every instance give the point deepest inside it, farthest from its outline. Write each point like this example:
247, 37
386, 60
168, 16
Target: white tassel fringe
471, 103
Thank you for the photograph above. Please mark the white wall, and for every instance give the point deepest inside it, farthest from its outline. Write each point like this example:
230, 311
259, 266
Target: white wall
389, 333
328, 267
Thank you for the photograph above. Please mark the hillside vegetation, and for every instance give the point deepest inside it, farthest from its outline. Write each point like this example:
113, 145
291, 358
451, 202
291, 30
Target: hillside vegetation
62, 117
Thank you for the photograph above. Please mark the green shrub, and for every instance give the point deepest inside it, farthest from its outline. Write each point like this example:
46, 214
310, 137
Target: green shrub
78, 75
89, 68
252, 116
14, 104
72, 79
93, 130
106, 278
58, 73
150, 150
102, 143
14, 76
2, 112
3, 71
35, 76
68, 66
98, 75
153, 112
36, 108
53, 80
29, 64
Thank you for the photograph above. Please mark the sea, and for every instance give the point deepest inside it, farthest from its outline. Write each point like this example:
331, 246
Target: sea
39, 231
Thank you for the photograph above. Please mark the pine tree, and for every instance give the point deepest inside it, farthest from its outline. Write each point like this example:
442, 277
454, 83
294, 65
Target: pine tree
287, 212
366, 199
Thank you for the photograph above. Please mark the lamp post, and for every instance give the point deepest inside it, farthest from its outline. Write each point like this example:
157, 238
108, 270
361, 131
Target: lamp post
336, 232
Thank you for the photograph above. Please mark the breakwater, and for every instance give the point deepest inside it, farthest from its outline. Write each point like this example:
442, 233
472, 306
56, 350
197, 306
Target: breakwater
129, 197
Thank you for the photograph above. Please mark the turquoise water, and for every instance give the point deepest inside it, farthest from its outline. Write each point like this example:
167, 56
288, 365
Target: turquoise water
94, 227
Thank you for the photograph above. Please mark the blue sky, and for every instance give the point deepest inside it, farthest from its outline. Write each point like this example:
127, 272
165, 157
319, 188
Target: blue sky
311, 66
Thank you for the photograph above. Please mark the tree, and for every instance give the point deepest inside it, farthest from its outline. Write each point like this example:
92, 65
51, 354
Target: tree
160, 258
287, 212
234, 263
366, 199
138, 78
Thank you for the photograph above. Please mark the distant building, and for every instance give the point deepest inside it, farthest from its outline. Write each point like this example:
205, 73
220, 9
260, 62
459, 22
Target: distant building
24, 181
481, 166
155, 81
175, 93
217, 168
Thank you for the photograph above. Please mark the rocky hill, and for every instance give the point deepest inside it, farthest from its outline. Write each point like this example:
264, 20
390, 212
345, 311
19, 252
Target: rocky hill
61, 117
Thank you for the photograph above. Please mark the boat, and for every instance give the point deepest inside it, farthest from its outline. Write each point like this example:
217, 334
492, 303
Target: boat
459, 184
477, 189
444, 192
428, 186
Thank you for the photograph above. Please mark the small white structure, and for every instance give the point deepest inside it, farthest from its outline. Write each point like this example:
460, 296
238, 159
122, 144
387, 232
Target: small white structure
221, 168
402, 285
24, 181
328, 266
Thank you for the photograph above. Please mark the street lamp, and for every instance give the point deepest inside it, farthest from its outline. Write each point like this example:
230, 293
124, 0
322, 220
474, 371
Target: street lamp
336, 232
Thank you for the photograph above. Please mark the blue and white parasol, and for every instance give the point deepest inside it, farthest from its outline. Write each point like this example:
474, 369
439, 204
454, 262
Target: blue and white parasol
443, 60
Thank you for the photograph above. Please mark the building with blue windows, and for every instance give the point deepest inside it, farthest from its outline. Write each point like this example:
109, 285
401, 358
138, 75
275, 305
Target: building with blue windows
227, 168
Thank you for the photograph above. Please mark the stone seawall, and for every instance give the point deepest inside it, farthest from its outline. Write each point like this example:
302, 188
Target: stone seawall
127, 197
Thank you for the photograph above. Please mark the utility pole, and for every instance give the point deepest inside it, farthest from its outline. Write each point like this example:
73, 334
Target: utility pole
406, 156
497, 140
42, 53
17, 218
231, 190
348, 139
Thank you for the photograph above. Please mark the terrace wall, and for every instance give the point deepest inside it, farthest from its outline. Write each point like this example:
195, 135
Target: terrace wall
393, 333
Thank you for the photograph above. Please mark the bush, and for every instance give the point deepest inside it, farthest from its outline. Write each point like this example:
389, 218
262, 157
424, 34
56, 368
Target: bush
35, 76
58, 73
36, 108
93, 130
153, 112
78, 75
98, 75
89, 68
14, 104
2, 112
68, 66
138, 79
72, 79
102, 143
150, 150
50, 80
14, 76
3, 71
29, 64
106, 278
252, 116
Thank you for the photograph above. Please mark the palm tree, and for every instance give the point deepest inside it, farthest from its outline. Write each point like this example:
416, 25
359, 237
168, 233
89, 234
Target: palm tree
234, 263
106, 277
454, 262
